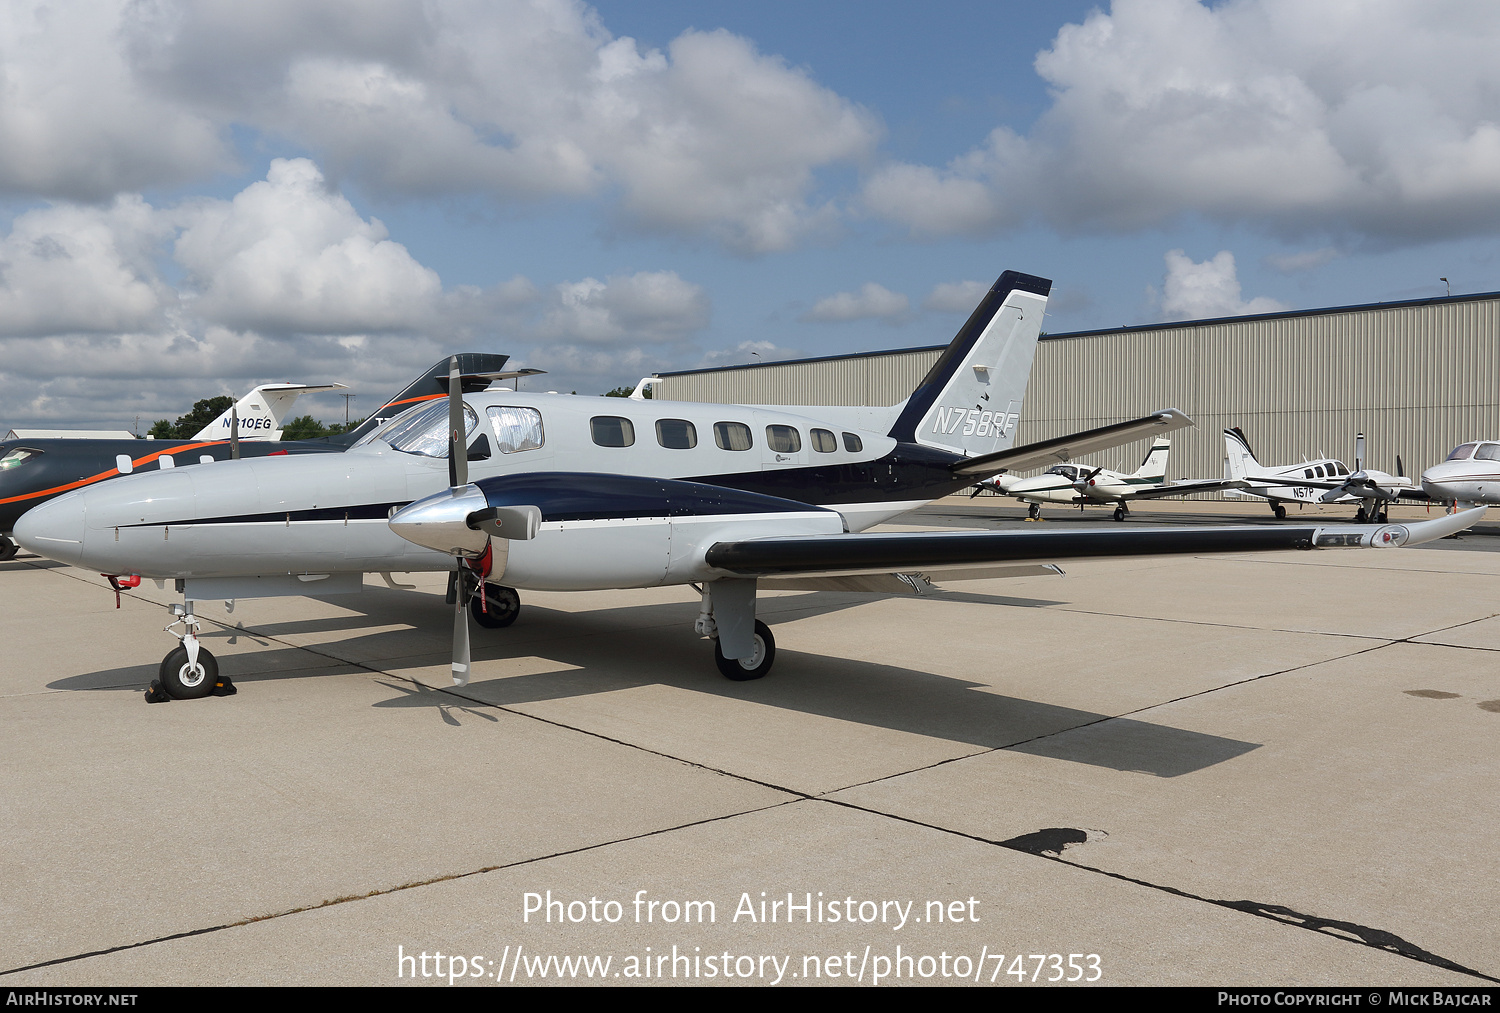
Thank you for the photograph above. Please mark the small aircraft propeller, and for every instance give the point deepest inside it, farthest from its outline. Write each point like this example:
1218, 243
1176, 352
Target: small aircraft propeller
1084, 481
460, 522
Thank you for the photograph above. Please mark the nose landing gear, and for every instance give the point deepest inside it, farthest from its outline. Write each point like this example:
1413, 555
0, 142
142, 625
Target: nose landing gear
189, 671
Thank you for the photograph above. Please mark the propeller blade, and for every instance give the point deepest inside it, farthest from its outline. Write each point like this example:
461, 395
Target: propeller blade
461, 630
458, 453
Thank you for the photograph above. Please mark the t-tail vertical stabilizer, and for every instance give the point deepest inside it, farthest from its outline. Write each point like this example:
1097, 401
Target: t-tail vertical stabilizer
970, 401
1239, 459
262, 411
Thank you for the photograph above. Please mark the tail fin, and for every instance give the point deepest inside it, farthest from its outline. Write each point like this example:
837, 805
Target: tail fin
1155, 464
970, 401
431, 384
261, 412
1239, 458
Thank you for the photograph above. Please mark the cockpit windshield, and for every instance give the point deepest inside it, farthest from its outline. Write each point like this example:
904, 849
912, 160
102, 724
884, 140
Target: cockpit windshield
1488, 452
422, 430
1462, 453
1067, 471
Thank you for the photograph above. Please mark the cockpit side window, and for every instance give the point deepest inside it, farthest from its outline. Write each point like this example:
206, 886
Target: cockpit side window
1488, 452
516, 428
17, 457
1462, 453
423, 430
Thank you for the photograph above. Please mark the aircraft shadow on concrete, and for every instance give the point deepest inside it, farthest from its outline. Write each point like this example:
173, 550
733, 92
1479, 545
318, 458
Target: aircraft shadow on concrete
620, 649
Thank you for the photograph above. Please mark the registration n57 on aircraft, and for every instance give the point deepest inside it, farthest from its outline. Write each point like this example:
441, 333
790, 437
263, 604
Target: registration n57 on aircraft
523, 491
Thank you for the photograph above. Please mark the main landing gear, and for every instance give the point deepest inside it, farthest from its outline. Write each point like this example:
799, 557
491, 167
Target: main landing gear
8, 548
1374, 515
189, 671
1279, 511
1034, 512
1121, 512
743, 646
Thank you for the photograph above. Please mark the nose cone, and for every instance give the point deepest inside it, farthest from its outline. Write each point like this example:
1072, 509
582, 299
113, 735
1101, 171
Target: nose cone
55, 529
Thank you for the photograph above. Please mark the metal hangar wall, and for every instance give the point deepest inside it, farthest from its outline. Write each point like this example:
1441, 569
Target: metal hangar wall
1417, 378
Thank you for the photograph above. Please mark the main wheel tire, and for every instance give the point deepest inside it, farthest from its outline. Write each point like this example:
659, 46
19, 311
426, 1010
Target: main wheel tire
182, 683
1382, 518
1119, 513
757, 665
1034, 511
8, 549
1360, 517
498, 609
1280, 512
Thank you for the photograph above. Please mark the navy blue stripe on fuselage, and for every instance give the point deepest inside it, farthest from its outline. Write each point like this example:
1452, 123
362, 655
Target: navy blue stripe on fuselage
585, 496
356, 512
908, 472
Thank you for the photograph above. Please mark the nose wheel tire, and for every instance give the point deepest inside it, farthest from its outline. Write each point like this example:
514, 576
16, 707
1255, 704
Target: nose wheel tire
753, 667
1119, 513
1034, 511
500, 607
189, 683
8, 548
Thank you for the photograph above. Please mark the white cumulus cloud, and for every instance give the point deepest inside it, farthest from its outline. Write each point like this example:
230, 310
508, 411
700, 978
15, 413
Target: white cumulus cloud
956, 296
871, 302
1210, 289
1380, 119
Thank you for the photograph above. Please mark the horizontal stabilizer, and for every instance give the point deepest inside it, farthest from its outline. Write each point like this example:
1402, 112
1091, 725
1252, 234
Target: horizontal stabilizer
1066, 448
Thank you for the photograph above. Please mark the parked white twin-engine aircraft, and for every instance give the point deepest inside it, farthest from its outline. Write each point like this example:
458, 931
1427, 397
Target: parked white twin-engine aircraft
578, 493
1321, 481
1471, 474
1086, 485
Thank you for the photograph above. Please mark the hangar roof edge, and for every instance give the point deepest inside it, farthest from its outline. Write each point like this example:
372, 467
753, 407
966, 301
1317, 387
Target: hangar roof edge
1134, 328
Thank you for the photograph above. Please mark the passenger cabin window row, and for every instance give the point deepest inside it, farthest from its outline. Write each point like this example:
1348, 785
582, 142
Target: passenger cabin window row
680, 434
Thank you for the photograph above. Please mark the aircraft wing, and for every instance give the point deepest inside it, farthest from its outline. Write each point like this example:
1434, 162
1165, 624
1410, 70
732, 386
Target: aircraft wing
1190, 487
1361, 489
1066, 448
907, 551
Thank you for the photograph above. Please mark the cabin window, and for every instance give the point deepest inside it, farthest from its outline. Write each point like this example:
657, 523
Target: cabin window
1461, 453
1307, 473
1338, 466
612, 431
732, 436
423, 430
676, 434
165, 461
853, 443
1319, 470
516, 429
823, 441
1488, 452
783, 439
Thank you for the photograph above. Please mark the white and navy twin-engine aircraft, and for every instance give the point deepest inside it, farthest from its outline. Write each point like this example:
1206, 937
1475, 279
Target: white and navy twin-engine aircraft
1321, 481
561, 493
1084, 485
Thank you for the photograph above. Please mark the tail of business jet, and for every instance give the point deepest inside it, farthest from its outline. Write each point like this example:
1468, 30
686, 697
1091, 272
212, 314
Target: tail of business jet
970, 401
261, 411
1154, 467
1239, 459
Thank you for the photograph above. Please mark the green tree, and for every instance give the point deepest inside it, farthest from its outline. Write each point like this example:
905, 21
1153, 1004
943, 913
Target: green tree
339, 428
625, 392
304, 427
161, 430
204, 412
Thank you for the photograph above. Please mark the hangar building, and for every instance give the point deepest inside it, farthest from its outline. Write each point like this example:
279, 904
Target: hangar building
1417, 378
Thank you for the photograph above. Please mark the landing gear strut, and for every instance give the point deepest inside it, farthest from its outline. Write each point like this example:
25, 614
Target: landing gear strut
743, 646
189, 671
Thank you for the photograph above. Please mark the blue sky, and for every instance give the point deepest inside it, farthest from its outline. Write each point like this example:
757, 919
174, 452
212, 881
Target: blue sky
195, 197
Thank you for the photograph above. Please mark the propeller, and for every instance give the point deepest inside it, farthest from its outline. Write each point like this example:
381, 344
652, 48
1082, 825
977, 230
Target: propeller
460, 522
1084, 481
